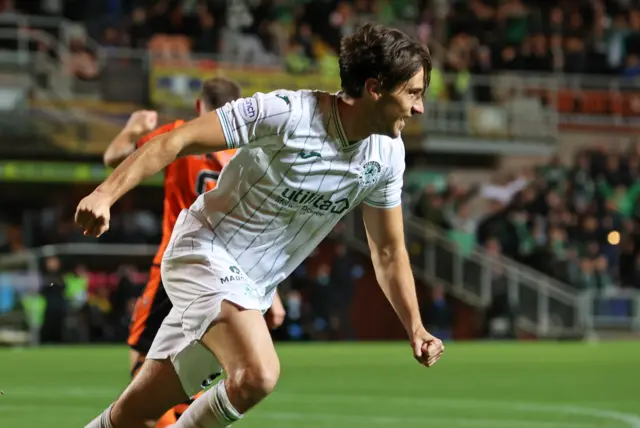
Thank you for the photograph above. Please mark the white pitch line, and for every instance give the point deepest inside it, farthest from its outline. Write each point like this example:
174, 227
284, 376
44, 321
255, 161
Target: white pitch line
403, 420
631, 420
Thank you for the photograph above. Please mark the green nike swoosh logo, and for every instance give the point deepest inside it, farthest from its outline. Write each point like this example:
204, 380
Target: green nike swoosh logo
285, 98
307, 155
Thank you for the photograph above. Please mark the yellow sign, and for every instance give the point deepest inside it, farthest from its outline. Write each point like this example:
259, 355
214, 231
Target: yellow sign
178, 86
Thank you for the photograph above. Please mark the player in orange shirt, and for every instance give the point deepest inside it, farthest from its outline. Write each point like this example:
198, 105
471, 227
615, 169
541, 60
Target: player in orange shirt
185, 179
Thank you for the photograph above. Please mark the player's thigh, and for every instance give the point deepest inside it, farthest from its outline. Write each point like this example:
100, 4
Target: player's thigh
155, 389
241, 341
219, 306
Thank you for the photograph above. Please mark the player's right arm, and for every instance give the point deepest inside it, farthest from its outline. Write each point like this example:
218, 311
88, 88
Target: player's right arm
140, 122
235, 124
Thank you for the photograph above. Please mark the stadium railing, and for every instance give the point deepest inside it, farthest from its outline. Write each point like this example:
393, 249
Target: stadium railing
543, 306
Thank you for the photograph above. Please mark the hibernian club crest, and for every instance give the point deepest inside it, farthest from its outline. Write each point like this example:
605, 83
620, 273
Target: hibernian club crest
370, 174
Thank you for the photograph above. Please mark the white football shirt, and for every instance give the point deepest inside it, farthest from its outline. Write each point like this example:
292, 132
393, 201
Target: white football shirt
293, 178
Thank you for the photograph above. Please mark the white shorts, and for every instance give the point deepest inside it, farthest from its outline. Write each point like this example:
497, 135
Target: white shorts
198, 276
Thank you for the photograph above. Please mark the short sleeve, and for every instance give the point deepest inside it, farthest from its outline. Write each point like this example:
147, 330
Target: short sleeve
261, 118
388, 192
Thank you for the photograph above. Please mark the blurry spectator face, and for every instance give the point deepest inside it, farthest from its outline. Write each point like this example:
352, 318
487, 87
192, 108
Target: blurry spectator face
556, 41
305, 31
586, 266
508, 53
529, 195
324, 270
111, 36
81, 270
52, 264
437, 293
613, 163
575, 21
629, 226
139, 15
568, 218
590, 224
574, 45
556, 16
601, 264
206, 20
557, 235
540, 44
493, 246
553, 200
463, 211
437, 201
484, 55
634, 19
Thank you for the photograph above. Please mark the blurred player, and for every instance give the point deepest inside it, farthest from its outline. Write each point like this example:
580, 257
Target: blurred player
185, 179
306, 159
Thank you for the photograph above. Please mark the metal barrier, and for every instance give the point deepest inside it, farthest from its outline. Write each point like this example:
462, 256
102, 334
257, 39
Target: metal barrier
543, 305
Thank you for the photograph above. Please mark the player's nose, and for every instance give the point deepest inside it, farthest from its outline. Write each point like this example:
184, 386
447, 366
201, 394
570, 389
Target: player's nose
418, 107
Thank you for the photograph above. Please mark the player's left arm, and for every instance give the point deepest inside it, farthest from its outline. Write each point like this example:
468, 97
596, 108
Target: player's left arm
384, 224
385, 234
391, 262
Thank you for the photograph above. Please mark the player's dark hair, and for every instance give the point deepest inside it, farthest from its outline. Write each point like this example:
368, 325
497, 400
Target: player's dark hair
218, 91
382, 53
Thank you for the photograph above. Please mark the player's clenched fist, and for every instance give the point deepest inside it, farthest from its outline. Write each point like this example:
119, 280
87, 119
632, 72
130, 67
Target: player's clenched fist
427, 349
142, 121
92, 215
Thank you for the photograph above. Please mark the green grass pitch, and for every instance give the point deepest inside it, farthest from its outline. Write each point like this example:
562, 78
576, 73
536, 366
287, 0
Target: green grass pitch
476, 385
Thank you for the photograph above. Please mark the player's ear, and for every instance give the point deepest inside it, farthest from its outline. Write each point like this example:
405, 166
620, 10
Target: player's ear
373, 88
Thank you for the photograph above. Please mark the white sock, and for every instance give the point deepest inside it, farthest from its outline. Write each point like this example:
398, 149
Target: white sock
103, 420
212, 410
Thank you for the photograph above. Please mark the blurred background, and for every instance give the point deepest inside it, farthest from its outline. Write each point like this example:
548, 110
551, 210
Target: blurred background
522, 207
521, 193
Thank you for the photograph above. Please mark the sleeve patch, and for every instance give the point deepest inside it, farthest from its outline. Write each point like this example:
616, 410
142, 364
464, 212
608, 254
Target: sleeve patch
249, 109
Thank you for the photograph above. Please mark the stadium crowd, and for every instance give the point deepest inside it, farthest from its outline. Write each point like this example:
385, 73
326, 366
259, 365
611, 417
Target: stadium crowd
476, 37
579, 222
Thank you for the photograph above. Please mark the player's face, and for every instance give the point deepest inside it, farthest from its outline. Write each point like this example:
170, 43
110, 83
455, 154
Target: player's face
397, 106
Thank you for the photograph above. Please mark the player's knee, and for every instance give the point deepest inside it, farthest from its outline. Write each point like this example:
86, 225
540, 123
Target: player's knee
254, 383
